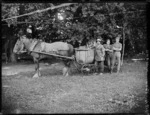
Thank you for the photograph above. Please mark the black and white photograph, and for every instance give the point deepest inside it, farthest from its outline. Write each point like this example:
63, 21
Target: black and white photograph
74, 57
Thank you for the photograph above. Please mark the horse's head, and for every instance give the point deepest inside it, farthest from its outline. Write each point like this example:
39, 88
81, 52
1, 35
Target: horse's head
19, 46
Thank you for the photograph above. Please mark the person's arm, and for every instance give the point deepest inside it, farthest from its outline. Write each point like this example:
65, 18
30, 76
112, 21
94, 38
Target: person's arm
94, 44
105, 47
103, 50
110, 50
118, 49
120, 46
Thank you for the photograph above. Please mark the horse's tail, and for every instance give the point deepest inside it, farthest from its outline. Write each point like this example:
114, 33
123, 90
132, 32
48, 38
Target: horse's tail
71, 50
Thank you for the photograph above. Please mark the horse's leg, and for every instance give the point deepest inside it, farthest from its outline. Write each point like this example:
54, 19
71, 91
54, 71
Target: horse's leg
66, 68
65, 71
36, 68
38, 64
37, 72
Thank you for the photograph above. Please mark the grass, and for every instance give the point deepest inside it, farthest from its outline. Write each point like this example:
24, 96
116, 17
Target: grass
53, 93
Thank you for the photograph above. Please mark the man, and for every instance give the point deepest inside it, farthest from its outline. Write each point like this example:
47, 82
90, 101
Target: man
109, 53
117, 47
99, 56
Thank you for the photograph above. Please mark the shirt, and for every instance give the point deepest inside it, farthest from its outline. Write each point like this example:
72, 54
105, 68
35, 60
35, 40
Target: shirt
106, 46
117, 45
99, 52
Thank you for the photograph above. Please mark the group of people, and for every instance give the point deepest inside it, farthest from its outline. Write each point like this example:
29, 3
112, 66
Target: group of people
108, 52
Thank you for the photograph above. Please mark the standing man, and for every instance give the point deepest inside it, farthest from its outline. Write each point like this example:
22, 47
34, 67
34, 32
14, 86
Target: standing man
109, 53
99, 56
117, 47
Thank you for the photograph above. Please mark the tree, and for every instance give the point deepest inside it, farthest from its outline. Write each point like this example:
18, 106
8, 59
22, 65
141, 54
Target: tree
85, 21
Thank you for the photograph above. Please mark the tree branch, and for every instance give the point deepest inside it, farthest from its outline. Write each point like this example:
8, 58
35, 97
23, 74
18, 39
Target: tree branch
39, 11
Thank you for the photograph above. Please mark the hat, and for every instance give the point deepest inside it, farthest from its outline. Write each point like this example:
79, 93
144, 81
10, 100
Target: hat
99, 39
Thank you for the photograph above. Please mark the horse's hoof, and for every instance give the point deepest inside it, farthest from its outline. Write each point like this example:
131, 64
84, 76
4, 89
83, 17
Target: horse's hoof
35, 76
39, 74
66, 75
65, 71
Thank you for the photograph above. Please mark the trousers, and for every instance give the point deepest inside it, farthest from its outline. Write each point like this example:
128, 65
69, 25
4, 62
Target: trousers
117, 55
109, 58
100, 66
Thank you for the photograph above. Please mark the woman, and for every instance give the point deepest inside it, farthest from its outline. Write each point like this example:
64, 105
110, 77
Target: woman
109, 53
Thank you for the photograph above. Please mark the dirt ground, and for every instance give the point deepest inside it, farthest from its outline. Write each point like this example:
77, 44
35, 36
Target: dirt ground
125, 92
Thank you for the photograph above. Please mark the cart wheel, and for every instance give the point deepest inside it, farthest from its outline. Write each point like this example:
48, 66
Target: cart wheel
85, 69
76, 66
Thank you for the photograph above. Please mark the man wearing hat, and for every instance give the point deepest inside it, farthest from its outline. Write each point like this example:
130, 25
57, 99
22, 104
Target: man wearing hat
117, 47
99, 56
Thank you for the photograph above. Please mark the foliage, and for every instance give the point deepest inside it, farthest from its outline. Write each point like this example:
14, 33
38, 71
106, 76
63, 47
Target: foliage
85, 21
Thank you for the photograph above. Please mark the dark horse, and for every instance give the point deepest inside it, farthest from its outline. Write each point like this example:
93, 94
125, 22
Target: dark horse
59, 48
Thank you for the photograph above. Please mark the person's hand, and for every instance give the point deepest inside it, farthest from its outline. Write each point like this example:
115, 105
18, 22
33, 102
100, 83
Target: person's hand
111, 50
114, 48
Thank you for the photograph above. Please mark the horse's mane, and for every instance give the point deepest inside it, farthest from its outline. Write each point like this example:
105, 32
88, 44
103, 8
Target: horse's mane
34, 40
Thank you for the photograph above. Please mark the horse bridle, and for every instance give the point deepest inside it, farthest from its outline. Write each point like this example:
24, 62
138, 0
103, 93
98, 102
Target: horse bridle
29, 52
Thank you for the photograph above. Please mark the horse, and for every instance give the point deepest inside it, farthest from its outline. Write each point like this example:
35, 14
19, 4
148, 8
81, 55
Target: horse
59, 48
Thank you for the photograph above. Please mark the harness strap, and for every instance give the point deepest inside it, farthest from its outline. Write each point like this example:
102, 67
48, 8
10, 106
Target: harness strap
116, 51
32, 47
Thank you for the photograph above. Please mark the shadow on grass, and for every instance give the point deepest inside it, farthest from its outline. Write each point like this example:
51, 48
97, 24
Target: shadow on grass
140, 108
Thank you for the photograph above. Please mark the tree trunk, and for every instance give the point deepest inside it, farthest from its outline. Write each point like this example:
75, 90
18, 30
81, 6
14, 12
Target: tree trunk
123, 45
13, 56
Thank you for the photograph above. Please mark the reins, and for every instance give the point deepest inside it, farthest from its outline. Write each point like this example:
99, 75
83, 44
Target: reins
37, 42
32, 47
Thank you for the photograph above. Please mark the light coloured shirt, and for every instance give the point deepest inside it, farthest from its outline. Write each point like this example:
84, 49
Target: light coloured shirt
118, 46
99, 52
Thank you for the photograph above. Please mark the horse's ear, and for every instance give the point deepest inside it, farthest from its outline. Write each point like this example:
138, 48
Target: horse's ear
21, 37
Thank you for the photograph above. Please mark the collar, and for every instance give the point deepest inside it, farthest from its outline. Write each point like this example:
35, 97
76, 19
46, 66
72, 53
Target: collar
32, 47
